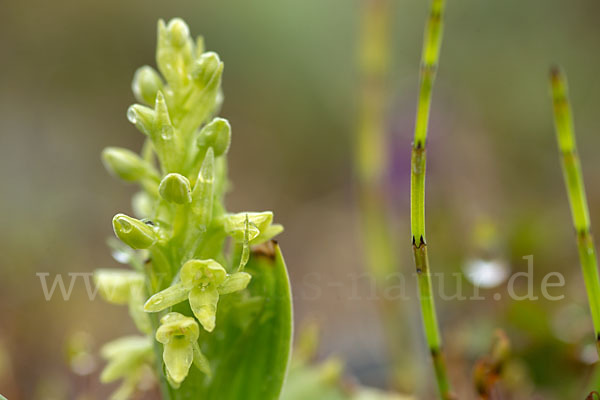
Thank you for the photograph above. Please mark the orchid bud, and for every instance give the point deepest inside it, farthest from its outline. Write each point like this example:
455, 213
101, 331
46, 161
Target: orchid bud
206, 68
133, 232
125, 164
146, 83
179, 32
142, 117
216, 134
175, 188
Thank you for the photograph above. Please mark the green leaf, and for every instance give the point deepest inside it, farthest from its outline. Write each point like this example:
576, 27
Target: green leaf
249, 349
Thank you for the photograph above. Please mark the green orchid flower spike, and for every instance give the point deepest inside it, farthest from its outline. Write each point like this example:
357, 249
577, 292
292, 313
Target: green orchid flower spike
189, 254
202, 281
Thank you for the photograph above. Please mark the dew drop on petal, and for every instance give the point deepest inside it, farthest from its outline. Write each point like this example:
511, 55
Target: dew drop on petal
126, 226
166, 133
132, 115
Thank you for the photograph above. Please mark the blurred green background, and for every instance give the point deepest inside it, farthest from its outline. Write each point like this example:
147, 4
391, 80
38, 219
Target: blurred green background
291, 94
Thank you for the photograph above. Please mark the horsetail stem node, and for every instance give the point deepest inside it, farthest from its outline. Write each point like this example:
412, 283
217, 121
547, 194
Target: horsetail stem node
571, 166
429, 63
180, 225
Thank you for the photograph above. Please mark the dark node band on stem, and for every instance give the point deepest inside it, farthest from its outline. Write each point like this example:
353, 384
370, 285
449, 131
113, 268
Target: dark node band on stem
421, 242
555, 72
428, 70
584, 234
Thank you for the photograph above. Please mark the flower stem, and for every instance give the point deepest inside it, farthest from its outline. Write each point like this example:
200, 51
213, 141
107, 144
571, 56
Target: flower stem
429, 61
571, 167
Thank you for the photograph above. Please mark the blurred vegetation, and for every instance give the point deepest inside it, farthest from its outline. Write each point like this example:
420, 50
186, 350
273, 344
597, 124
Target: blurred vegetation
292, 91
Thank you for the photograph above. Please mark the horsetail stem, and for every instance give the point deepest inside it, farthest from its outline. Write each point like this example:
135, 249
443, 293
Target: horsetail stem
429, 61
565, 134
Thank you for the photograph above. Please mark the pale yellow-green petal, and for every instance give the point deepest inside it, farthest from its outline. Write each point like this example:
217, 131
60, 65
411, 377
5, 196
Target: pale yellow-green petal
115, 285
125, 391
178, 356
117, 368
200, 360
269, 233
166, 298
196, 273
235, 282
125, 344
175, 325
204, 305
136, 311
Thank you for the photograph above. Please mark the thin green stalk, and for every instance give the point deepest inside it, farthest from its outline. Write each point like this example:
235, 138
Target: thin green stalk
429, 61
571, 167
371, 142
371, 161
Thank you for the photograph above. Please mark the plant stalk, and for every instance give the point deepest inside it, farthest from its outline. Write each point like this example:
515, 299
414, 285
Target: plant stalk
565, 134
429, 62
371, 164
